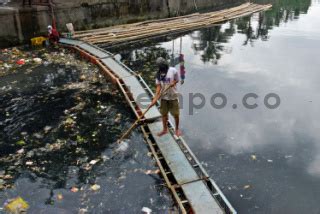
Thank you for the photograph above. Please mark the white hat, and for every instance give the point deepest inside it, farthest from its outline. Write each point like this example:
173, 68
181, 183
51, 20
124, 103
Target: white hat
161, 61
49, 27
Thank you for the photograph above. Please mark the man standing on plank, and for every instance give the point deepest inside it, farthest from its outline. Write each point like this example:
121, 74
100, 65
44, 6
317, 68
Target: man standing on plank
167, 77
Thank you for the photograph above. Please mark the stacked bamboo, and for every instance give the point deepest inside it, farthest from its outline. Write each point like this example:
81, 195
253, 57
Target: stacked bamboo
153, 28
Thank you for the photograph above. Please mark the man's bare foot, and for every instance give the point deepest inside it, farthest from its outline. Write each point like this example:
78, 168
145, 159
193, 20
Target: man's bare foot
162, 133
178, 133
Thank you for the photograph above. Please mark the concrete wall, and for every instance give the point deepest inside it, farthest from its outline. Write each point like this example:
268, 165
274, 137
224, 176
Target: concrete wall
110, 12
19, 24
180, 7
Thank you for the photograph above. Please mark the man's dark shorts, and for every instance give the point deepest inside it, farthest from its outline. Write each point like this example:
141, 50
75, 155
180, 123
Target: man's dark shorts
171, 106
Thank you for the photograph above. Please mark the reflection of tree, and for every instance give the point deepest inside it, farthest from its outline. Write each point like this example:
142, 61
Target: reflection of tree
143, 60
244, 26
208, 41
282, 11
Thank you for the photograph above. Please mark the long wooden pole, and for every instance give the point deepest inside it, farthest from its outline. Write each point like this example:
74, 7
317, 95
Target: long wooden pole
126, 134
133, 126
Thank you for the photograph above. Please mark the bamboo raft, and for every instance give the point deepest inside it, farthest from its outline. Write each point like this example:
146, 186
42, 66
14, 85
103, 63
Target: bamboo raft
153, 28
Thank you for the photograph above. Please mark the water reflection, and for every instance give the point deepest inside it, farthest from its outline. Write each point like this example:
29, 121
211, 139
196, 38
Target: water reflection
208, 41
275, 152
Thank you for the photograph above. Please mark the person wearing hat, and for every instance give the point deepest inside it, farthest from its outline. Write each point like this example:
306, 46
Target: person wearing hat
167, 77
53, 35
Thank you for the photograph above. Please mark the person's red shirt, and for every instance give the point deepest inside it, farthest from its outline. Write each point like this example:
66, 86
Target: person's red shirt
54, 36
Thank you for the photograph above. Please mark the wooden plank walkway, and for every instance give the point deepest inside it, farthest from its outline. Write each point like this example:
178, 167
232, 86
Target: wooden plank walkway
201, 199
195, 190
154, 28
177, 161
128, 77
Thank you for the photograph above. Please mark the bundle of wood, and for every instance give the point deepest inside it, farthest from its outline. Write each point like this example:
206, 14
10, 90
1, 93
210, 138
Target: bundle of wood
154, 28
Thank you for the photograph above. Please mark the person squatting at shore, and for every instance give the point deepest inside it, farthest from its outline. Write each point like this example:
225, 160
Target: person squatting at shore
53, 35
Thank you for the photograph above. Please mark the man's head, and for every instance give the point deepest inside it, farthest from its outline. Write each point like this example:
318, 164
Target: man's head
161, 61
163, 68
49, 29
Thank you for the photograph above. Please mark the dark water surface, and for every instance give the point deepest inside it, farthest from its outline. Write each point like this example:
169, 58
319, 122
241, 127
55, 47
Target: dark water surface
265, 161
60, 118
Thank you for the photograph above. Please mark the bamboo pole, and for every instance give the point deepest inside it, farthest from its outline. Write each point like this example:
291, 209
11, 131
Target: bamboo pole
168, 20
159, 30
136, 30
183, 25
152, 28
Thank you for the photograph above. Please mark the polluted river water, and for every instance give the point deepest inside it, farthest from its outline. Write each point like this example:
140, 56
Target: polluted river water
59, 122
265, 160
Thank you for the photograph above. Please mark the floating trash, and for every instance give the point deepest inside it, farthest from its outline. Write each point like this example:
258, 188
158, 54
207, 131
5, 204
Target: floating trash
38, 135
21, 143
95, 187
247, 187
59, 196
17, 205
21, 62
6, 65
46, 63
47, 129
83, 78
20, 151
24, 133
7, 177
29, 163
50, 148
93, 162
37, 60
74, 189
118, 118
146, 210
123, 146
105, 158
80, 139
150, 172
83, 211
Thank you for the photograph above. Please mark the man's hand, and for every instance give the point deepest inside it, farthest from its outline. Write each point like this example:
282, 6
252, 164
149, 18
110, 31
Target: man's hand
154, 101
174, 83
156, 96
158, 92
